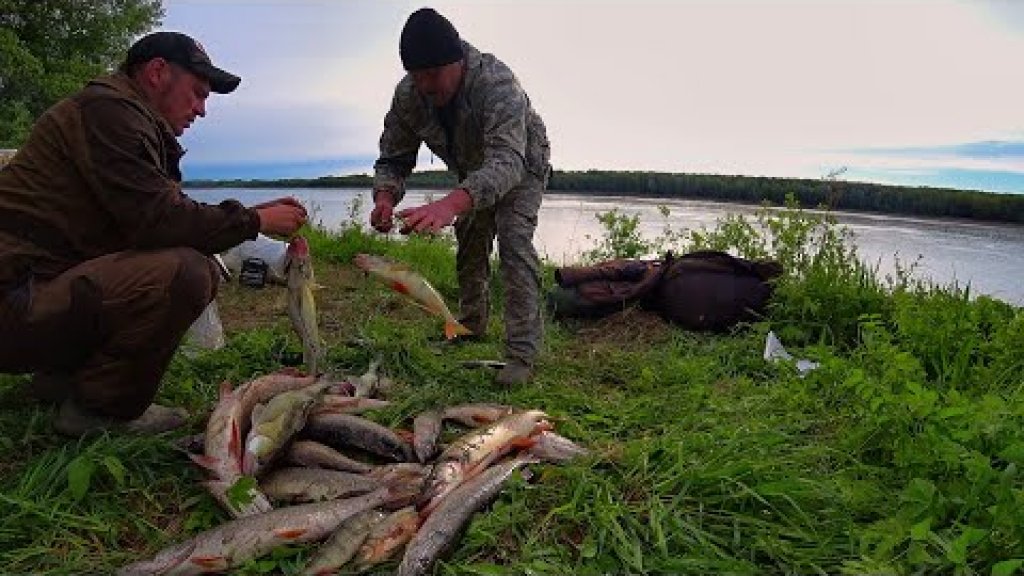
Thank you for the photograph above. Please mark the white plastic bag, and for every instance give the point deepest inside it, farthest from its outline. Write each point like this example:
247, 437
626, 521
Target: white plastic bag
206, 333
775, 351
263, 247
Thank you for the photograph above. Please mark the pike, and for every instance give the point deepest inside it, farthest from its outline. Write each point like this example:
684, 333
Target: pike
301, 305
275, 423
236, 542
406, 281
443, 525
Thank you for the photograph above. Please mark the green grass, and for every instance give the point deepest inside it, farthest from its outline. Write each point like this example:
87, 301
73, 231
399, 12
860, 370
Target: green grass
902, 454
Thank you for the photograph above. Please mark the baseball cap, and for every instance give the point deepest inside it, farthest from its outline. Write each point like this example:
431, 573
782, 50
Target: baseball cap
184, 51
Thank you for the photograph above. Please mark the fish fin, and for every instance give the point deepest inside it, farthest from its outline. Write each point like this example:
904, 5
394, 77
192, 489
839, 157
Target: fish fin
218, 563
523, 443
290, 533
204, 461
453, 328
399, 287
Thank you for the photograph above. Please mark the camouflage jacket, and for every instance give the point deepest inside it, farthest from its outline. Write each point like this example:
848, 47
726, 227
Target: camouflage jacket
99, 174
498, 139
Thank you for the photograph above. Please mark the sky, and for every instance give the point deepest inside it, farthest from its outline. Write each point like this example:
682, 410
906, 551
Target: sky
923, 93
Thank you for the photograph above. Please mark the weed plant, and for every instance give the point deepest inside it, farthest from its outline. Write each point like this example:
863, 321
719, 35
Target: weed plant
901, 454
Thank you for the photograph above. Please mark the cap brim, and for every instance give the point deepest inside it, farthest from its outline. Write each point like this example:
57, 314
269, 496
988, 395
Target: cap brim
221, 81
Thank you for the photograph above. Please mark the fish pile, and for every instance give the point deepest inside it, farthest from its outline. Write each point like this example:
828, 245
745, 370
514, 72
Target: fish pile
293, 462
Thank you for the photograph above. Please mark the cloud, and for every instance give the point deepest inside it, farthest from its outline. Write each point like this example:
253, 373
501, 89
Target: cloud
740, 87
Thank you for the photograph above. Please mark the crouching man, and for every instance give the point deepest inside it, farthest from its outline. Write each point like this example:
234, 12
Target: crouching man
104, 261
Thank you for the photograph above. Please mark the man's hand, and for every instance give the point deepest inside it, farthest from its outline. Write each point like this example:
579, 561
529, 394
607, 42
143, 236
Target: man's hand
383, 208
287, 200
433, 217
281, 217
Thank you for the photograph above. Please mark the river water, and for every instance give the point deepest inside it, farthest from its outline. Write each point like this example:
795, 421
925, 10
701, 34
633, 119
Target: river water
987, 257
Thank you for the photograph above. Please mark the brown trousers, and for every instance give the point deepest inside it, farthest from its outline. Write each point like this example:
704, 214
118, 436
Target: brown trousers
111, 324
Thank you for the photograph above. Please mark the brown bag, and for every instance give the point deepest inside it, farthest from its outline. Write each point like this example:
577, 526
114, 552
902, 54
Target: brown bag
705, 290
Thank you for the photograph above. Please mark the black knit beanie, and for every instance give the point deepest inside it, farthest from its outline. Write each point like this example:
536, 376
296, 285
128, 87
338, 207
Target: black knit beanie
428, 40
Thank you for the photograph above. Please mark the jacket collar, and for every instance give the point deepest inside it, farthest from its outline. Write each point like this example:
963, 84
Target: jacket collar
127, 88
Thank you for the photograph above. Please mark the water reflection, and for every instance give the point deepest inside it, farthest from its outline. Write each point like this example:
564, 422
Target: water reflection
988, 257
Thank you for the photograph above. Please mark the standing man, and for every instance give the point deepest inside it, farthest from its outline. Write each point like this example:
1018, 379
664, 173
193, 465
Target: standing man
104, 261
472, 113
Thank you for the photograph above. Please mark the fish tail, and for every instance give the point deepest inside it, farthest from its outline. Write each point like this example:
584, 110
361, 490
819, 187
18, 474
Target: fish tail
453, 328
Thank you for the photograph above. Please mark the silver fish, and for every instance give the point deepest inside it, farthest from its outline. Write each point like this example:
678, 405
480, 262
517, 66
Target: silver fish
292, 485
473, 452
348, 430
443, 525
239, 541
313, 454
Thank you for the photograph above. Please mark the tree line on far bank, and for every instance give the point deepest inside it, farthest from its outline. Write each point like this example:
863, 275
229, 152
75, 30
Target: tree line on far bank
828, 193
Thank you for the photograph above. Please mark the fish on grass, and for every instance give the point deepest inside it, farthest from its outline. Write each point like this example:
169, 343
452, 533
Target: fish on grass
441, 528
301, 305
406, 281
232, 544
275, 423
474, 452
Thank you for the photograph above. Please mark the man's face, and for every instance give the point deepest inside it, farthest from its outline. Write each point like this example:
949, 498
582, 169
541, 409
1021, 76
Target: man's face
440, 84
180, 96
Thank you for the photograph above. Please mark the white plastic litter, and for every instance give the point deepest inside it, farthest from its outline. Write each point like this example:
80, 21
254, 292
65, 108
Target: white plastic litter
206, 333
775, 351
263, 247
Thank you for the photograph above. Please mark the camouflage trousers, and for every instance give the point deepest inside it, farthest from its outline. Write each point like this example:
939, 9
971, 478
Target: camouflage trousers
513, 221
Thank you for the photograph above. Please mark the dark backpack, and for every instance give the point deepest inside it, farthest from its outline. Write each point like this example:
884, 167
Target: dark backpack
705, 290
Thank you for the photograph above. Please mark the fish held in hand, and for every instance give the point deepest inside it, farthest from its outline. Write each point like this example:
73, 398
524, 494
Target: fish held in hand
406, 281
301, 304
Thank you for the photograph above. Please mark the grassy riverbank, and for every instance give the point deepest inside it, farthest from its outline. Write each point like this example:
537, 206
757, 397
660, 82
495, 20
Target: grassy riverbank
901, 454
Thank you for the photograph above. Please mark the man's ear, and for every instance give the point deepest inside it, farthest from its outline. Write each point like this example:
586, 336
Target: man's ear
153, 73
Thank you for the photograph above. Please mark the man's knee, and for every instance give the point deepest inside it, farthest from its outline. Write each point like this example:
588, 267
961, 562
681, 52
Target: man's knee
194, 283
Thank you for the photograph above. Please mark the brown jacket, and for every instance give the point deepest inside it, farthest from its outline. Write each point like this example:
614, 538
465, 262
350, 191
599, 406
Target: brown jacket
99, 174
